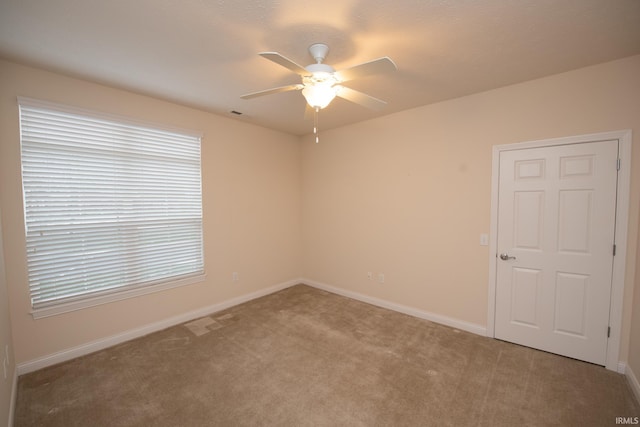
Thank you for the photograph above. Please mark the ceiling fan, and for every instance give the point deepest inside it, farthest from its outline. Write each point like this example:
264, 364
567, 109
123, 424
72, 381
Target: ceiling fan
321, 83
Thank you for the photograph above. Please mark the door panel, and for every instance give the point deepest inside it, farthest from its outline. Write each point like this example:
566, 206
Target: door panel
570, 308
556, 216
528, 219
525, 295
574, 222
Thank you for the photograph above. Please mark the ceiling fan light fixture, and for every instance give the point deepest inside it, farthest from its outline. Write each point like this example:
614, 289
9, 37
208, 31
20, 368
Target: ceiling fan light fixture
318, 96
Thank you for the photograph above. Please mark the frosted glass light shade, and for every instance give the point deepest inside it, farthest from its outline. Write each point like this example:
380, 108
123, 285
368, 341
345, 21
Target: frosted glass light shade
319, 95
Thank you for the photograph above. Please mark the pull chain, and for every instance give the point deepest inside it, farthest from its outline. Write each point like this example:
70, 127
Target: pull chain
315, 124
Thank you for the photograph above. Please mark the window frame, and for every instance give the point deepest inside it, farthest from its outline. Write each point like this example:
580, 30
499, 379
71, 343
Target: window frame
132, 289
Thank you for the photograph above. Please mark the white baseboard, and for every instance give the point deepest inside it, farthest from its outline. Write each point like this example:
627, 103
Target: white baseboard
102, 343
436, 318
633, 382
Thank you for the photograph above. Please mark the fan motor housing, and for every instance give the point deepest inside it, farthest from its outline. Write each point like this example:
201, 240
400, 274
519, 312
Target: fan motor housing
320, 68
320, 74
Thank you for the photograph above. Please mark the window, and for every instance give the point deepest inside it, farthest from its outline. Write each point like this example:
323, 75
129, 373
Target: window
112, 209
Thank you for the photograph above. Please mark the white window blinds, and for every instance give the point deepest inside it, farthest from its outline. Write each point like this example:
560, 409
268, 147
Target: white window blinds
110, 207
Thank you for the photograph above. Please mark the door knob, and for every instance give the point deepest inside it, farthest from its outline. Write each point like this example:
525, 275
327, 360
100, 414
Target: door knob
506, 257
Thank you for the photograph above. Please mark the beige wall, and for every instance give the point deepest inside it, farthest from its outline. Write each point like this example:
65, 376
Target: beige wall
6, 339
251, 203
409, 194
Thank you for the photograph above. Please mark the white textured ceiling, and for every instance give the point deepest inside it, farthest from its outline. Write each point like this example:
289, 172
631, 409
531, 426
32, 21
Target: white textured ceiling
204, 53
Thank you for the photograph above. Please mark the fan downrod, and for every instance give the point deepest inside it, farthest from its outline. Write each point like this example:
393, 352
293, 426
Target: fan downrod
319, 51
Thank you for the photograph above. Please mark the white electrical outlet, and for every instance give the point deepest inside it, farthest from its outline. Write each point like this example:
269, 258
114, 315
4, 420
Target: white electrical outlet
380, 277
234, 276
369, 275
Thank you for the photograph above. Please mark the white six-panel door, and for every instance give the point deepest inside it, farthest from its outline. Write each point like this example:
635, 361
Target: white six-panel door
556, 224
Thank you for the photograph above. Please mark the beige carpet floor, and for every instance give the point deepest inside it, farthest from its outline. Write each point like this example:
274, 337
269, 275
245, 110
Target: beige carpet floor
305, 357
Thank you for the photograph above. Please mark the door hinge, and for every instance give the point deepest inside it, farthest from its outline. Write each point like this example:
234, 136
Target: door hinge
608, 331
618, 165
614, 249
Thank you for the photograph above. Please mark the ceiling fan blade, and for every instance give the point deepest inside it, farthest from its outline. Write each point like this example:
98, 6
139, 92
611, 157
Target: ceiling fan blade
285, 62
274, 90
361, 98
377, 66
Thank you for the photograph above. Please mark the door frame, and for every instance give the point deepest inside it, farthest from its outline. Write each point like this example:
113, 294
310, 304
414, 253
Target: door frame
621, 227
